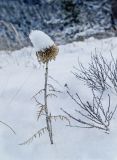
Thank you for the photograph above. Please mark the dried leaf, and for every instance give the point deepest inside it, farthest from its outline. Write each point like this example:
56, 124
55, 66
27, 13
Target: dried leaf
40, 133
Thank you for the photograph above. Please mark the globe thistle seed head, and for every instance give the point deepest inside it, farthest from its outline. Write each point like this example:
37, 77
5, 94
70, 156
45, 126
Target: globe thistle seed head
46, 49
48, 54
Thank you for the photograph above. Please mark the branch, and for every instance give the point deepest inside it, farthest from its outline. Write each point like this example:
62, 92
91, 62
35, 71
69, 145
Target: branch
8, 126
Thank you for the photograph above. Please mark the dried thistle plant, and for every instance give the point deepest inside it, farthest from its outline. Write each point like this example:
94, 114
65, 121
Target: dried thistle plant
47, 52
45, 56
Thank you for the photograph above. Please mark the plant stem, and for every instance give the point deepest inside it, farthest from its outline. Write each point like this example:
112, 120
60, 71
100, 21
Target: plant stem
8, 126
48, 119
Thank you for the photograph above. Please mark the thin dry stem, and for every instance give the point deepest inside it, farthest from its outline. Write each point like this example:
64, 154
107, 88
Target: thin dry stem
8, 126
48, 120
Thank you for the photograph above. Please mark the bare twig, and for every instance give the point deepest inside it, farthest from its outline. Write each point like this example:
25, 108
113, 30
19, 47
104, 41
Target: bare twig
8, 126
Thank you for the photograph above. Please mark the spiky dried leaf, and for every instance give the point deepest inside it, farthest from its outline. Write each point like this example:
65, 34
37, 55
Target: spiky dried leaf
61, 117
52, 95
39, 133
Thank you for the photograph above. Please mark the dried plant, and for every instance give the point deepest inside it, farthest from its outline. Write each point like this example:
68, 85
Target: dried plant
100, 75
93, 115
45, 55
48, 54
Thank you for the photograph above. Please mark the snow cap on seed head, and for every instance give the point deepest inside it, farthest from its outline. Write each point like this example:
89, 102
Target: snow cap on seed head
40, 40
46, 49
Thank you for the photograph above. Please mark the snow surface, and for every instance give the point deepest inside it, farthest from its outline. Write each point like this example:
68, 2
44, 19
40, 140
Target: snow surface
40, 40
21, 77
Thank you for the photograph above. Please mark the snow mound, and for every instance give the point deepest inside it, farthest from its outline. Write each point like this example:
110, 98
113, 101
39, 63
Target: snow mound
40, 40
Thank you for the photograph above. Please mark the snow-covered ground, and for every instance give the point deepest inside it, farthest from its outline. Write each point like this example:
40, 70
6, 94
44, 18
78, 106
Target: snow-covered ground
21, 77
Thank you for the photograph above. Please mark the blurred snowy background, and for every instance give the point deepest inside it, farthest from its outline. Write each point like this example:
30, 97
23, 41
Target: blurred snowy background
64, 20
21, 77
74, 25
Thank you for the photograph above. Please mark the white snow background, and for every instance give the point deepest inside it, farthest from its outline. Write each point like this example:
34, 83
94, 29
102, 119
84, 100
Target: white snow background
21, 77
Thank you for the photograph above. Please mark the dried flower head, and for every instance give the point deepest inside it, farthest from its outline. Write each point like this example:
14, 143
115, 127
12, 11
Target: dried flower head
45, 48
48, 54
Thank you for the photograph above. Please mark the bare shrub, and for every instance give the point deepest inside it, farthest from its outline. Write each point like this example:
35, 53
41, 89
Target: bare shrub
93, 114
100, 75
